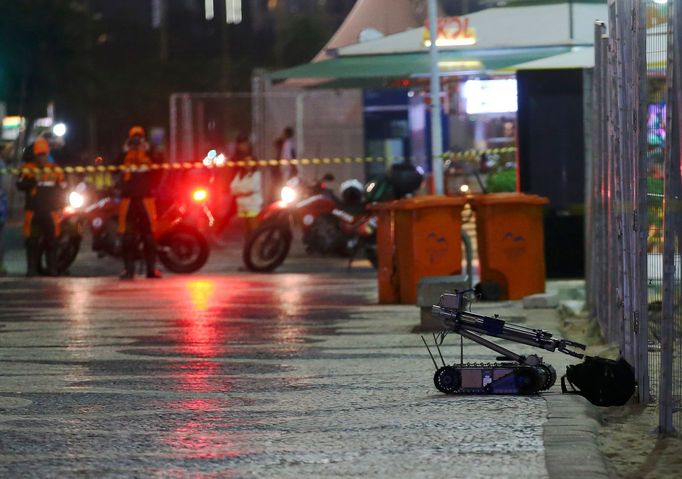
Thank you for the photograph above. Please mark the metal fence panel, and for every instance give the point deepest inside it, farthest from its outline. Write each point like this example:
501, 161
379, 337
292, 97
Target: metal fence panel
617, 226
671, 311
656, 49
325, 123
635, 208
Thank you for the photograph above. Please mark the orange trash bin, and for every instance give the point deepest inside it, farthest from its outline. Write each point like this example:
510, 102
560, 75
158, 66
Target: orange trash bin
510, 238
387, 274
428, 240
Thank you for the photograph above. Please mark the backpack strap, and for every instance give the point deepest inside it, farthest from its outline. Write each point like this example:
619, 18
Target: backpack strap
564, 389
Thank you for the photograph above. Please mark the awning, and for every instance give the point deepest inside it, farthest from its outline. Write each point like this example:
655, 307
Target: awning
582, 57
408, 65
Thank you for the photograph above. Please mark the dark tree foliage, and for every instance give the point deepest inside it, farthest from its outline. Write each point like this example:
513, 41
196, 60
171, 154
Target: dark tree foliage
103, 66
300, 40
41, 54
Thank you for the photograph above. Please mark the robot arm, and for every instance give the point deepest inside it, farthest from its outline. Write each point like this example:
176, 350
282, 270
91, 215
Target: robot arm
452, 310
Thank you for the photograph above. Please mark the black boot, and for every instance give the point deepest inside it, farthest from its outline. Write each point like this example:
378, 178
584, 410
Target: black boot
150, 257
51, 259
32, 257
128, 253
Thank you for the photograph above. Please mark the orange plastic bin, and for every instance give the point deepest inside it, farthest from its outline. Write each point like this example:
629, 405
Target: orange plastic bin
425, 233
387, 274
509, 230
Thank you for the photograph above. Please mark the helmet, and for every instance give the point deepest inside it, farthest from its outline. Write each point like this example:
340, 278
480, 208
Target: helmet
41, 147
136, 131
351, 192
405, 178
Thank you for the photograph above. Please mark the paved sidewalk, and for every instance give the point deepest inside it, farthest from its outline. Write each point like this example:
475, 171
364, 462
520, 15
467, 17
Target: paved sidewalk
238, 375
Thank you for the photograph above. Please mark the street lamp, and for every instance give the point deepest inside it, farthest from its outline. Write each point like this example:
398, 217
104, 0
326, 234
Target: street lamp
436, 126
59, 130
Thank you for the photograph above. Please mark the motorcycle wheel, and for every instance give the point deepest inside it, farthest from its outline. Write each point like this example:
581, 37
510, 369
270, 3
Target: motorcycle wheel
68, 246
266, 248
183, 250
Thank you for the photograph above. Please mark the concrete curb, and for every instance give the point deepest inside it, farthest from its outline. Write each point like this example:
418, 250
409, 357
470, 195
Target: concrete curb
570, 438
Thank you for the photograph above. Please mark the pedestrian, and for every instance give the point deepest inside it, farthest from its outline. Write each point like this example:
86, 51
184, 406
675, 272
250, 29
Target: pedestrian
285, 151
137, 212
288, 153
247, 186
44, 186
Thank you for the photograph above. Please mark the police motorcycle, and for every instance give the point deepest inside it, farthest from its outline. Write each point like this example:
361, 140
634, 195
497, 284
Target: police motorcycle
180, 233
330, 225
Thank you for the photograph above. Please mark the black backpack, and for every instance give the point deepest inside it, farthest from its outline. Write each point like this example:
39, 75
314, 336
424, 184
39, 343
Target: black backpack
603, 382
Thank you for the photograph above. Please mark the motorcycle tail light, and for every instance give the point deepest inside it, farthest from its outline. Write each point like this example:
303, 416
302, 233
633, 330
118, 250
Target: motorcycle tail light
200, 195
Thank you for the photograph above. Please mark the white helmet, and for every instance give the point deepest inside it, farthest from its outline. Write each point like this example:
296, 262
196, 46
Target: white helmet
351, 191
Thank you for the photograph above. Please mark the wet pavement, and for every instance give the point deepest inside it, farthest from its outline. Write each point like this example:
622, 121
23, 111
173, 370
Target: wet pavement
231, 374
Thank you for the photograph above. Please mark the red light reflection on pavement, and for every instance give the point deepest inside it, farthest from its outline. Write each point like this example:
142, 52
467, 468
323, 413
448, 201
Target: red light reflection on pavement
199, 333
201, 293
204, 432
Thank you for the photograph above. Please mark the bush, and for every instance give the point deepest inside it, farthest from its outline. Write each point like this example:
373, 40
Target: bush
502, 181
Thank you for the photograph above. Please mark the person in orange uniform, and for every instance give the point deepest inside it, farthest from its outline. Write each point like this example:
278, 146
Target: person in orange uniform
44, 186
137, 213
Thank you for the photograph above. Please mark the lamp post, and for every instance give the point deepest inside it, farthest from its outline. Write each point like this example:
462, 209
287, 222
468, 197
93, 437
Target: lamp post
436, 126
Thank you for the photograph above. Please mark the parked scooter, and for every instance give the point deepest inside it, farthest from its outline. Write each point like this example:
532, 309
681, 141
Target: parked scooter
330, 225
180, 229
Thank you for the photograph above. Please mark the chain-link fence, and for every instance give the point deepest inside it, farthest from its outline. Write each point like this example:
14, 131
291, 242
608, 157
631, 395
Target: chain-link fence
323, 122
634, 214
656, 47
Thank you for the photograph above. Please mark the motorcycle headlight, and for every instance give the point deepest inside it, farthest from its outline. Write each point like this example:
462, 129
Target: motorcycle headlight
288, 195
76, 200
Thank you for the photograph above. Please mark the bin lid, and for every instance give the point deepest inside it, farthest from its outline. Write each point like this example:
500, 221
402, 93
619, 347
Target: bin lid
417, 202
508, 198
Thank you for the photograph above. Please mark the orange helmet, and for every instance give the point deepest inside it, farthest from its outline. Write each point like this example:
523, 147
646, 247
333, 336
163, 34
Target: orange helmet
41, 147
136, 131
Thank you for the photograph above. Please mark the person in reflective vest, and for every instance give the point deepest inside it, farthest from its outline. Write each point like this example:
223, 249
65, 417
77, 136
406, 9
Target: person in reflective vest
137, 213
44, 185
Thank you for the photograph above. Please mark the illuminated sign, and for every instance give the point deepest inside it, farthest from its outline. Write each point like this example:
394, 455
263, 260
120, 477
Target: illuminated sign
12, 126
490, 96
452, 32
459, 65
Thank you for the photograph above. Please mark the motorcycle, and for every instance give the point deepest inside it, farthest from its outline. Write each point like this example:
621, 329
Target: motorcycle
329, 225
180, 230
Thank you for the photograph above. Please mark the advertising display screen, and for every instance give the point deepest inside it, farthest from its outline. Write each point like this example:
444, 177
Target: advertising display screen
490, 96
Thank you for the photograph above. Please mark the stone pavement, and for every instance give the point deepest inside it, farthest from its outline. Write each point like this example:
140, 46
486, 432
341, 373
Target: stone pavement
241, 375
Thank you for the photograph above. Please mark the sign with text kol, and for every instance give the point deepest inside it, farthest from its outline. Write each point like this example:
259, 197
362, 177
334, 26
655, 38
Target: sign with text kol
452, 31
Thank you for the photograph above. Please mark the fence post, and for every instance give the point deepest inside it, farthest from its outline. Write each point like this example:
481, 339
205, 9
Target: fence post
604, 261
640, 220
173, 137
187, 127
589, 194
596, 287
616, 184
671, 205
628, 76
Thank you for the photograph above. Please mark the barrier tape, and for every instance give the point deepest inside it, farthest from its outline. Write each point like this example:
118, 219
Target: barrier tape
337, 160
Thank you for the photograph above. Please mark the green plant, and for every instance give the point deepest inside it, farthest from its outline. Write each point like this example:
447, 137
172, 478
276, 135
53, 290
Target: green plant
502, 181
